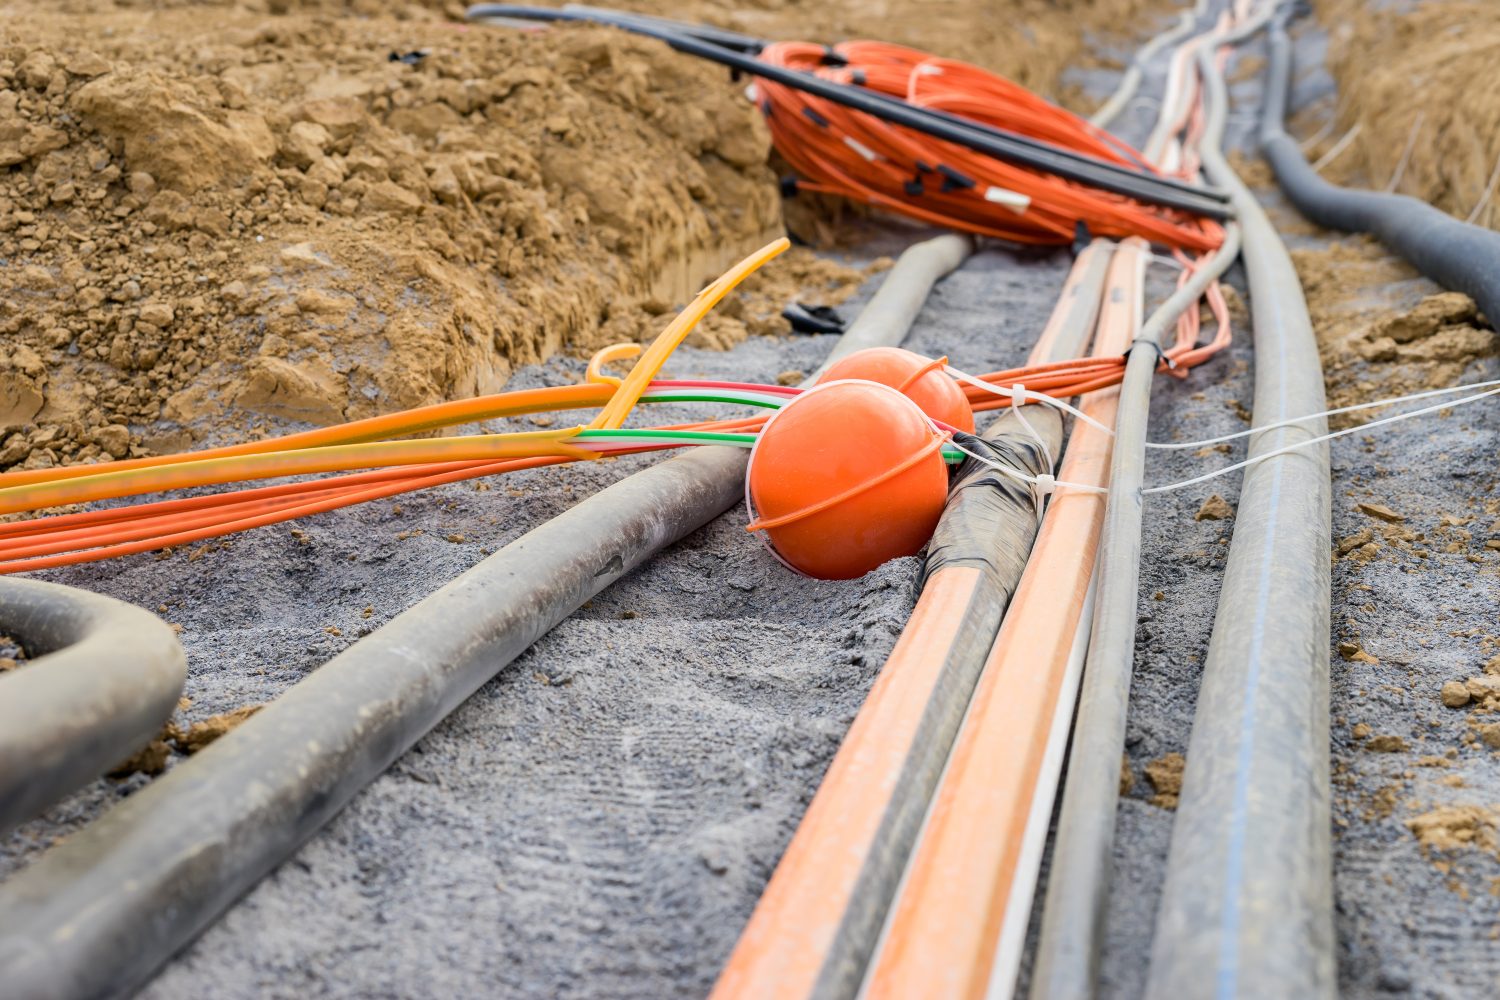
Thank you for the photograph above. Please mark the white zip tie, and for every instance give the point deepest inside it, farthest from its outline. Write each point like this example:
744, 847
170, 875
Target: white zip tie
1039, 397
860, 148
1017, 400
1013, 200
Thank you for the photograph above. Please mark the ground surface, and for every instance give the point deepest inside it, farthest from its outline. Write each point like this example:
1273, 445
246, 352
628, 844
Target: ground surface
599, 819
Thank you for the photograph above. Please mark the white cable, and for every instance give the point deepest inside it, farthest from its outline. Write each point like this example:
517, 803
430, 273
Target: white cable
1040, 397
1318, 440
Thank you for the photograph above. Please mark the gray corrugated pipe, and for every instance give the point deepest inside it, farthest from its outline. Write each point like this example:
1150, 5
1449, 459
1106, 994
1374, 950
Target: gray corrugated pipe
1247, 910
1454, 254
99, 913
102, 678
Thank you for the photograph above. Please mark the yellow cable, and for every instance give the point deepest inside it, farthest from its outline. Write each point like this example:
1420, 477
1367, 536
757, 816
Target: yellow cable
605, 355
618, 408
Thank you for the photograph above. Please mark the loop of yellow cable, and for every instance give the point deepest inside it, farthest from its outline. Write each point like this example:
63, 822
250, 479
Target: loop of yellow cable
614, 413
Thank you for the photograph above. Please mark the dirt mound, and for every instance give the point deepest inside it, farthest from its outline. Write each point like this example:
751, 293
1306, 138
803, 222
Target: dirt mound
276, 216
1373, 344
318, 210
1412, 77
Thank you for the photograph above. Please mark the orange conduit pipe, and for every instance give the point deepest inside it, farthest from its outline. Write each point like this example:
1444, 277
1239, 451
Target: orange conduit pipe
941, 936
817, 919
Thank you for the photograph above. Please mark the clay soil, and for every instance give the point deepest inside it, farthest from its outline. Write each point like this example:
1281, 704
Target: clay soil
215, 219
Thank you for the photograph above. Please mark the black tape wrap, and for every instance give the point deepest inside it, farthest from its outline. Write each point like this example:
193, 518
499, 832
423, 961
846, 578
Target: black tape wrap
1454, 254
990, 518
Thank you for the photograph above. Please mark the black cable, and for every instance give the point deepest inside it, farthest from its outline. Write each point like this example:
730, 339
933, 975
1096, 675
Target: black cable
1018, 150
753, 46
719, 36
1454, 254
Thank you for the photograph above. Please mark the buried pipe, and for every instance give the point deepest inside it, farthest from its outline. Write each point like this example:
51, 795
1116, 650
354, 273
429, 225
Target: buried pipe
98, 914
950, 932
1456, 255
1072, 932
1247, 908
819, 917
101, 679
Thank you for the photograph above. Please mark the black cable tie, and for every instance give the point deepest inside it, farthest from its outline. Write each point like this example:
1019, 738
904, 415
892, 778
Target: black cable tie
914, 187
858, 78
1081, 237
832, 58
923, 168
1160, 354
953, 180
789, 186
817, 119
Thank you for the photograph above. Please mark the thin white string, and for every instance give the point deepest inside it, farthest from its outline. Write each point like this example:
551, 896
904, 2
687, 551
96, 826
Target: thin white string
1428, 394
1049, 484
1318, 440
1042, 397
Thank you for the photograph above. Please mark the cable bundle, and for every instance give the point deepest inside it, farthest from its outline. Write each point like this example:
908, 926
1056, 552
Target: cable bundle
936, 139
838, 150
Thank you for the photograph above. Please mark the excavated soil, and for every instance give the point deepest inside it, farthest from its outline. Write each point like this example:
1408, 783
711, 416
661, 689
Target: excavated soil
318, 211
1415, 78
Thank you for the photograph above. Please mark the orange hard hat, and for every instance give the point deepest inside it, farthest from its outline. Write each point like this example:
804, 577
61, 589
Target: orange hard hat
909, 373
846, 476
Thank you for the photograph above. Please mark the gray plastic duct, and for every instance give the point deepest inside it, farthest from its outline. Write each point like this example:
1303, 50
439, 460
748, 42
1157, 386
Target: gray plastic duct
1247, 910
102, 679
99, 913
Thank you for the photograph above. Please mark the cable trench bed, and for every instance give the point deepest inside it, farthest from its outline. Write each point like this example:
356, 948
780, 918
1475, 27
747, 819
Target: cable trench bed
937, 898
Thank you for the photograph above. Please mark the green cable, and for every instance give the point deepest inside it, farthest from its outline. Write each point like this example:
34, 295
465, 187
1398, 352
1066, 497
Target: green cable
765, 403
692, 437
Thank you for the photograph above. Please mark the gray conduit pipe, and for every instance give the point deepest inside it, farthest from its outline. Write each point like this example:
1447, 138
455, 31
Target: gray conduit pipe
1454, 254
102, 678
1067, 958
1077, 890
1247, 909
1125, 91
99, 913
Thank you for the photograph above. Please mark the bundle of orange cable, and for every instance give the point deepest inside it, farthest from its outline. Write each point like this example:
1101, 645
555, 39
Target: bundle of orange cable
837, 150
